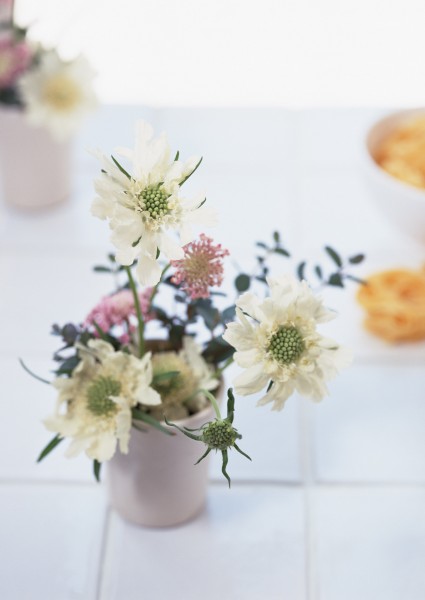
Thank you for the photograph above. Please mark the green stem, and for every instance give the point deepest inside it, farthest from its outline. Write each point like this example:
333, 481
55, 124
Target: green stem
213, 402
155, 289
220, 370
140, 322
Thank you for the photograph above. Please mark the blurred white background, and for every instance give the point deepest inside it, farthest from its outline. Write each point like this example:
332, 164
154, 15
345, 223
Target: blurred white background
292, 53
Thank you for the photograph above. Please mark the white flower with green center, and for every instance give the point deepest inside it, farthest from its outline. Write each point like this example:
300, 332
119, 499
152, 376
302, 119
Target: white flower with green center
144, 207
94, 404
180, 394
57, 95
276, 341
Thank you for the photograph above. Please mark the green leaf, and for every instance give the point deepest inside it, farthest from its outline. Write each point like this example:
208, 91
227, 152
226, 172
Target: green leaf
50, 446
177, 155
68, 365
269, 387
224, 465
281, 251
334, 256
96, 469
139, 415
160, 377
139, 428
300, 270
186, 433
100, 269
158, 252
228, 314
217, 350
192, 172
336, 280
230, 405
357, 259
276, 236
121, 168
24, 366
262, 245
203, 456
319, 272
242, 282
176, 333
202, 204
102, 334
210, 315
236, 447
356, 279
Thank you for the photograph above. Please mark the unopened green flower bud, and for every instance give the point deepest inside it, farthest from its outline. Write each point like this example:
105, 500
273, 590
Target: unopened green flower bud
219, 435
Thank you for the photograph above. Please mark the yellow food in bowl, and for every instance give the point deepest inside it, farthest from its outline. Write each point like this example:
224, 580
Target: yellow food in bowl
395, 305
402, 153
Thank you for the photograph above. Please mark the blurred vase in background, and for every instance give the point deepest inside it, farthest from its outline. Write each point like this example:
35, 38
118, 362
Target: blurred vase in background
35, 169
43, 100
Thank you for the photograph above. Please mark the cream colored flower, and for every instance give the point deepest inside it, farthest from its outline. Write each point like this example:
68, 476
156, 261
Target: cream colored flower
94, 405
276, 341
179, 394
57, 95
145, 206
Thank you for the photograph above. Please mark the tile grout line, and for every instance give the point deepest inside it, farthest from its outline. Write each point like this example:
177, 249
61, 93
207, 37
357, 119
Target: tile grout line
307, 470
215, 482
102, 554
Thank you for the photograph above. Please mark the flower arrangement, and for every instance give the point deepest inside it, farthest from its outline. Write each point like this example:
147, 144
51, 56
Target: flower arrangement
155, 349
52, 93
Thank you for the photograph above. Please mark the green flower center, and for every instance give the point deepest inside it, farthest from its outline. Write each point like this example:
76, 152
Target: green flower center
286, 345
154, 201
219, 435
99, 396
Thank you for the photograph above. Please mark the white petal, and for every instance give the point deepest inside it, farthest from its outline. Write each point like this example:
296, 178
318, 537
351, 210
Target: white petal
171, 249
149, 244
150, 397
186, 233
251, 305
148, 271
246, 358
126, 256
103, 447
252, 380
101, 208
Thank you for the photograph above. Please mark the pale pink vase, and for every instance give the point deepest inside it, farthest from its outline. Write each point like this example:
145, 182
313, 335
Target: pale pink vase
157, 483
35, 170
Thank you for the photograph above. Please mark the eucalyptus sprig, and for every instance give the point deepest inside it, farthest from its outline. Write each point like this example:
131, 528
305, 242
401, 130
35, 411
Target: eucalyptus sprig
243, 281
218, 434
338, 276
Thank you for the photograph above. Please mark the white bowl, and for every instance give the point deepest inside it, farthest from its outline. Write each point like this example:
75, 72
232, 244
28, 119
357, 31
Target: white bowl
401, 202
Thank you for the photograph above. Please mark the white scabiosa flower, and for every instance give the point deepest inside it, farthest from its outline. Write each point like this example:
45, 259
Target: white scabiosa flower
204, 372
94, 404
180, 394
144, 207
277, 343
57, 95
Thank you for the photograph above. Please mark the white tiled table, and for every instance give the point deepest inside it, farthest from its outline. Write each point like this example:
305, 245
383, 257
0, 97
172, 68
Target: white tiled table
333, 505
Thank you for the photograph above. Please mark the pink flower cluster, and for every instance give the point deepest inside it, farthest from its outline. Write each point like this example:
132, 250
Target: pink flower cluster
118, 311
201, 267
14, 60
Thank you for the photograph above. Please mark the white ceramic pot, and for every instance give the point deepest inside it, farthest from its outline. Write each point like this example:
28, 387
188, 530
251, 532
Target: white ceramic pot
401, 203
35, 170
157, 483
